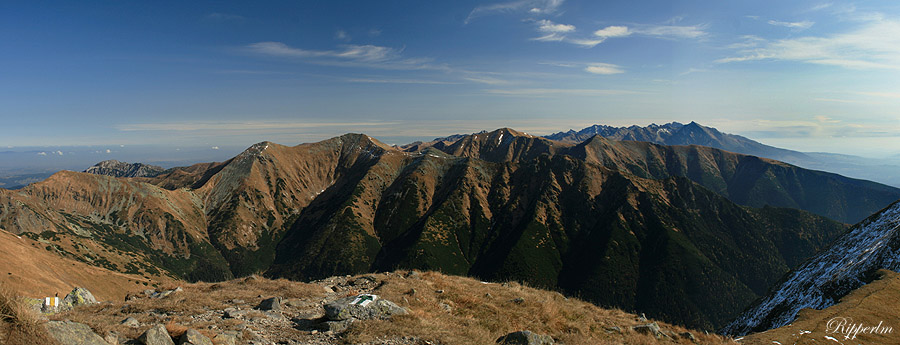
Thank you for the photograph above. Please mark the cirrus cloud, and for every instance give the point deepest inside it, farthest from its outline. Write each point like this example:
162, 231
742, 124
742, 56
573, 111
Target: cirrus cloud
603, 68
873, 45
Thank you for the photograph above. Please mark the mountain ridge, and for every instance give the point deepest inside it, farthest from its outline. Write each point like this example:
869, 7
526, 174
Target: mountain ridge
675, 133
850, 262
497, 205
116, 168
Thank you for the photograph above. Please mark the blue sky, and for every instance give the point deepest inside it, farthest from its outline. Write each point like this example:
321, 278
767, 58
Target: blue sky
807, 75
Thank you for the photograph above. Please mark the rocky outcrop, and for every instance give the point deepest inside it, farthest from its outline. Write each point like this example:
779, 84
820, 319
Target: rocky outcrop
73, 333
273, 304
193, 337
116, 168
79, 296
362, 307
525, 338
156, 335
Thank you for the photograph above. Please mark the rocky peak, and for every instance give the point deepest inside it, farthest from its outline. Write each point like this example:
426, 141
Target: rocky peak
116, 168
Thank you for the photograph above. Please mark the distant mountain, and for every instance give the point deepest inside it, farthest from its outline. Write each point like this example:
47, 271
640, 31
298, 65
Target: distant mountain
115, 168
639, 226
746, 180
846, 265
883, 171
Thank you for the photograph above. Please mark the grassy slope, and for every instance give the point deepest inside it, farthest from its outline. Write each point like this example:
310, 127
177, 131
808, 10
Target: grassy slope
869, 305
37, 272
473, 312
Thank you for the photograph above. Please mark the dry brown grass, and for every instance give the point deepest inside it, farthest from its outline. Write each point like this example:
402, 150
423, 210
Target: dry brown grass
868, 305
480, 313
18, 324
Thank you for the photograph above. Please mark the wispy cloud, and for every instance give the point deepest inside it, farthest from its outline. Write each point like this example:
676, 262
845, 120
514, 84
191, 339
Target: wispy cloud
802, 25
485, 79
672, 31
341, 35
873, 45
224, 17
820, 7
612, 31
693, 70
398, 81
550, 92
881, 94
347, 55
531, 7
552, 31
591, 67
555, 32
366, 53
658, 31
603, 68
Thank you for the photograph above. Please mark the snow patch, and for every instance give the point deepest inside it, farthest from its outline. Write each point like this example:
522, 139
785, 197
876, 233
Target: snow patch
865, 248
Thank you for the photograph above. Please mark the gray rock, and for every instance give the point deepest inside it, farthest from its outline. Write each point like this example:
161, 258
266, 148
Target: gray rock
274, 315
688, 335
446, 307
193, 337
73, 333
112, 338
525, 338
78, 296
225, 339
156, 335
273, 304
344, 309
650, 329
334, 326
233, 313
131, 322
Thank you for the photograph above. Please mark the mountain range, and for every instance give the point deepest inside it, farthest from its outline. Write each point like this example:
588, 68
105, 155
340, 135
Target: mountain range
885, 171
121, 169
639, 226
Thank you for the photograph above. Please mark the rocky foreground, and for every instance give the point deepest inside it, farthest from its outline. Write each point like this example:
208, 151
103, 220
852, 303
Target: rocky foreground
388, 308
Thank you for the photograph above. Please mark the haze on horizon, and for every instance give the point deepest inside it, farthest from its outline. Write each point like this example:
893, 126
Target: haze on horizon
803, 75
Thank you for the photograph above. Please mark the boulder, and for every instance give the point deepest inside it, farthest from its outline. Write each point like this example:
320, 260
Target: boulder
156, 335
334, 326
112, 338
131, 322
78, 296
234, 313
650, 329
688, 335
273, 304
193, 337
225, 339
362, 307
525, 338
73, 333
